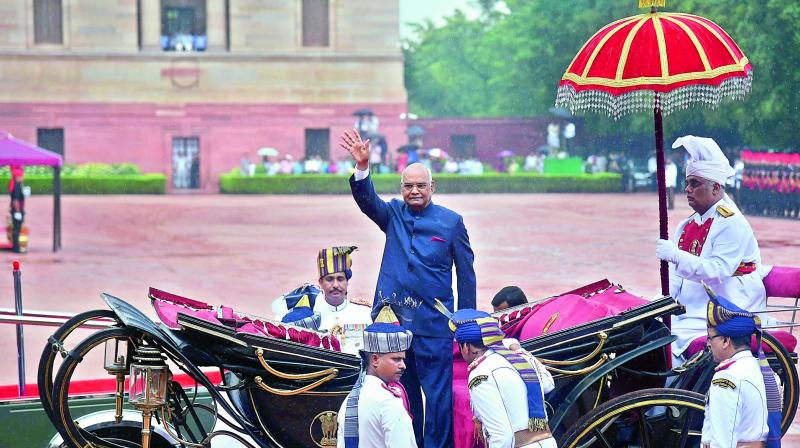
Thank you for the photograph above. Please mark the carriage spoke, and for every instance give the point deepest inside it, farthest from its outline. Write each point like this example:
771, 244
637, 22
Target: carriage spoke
644, 431
601, 438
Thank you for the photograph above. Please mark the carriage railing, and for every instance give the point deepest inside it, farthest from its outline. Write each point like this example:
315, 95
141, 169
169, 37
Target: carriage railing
39, 318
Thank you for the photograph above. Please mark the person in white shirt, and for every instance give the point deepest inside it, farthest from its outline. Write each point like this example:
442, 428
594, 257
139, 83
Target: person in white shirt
743, 404
670, 181
339, 315
715, 245
375, 413
506, 387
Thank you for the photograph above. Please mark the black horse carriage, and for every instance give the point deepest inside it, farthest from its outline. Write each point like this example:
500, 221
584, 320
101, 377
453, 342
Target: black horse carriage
282, 386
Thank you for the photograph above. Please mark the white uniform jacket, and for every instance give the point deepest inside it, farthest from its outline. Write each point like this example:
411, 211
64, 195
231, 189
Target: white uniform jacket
383, 421
729, 242
736, 404
499, 399
350, 317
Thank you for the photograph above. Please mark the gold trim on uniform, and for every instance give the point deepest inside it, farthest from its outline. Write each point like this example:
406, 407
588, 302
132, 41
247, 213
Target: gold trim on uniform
724, 211
477, 380
723, 382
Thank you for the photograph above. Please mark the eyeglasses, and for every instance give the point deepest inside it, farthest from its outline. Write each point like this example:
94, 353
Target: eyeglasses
709, 338
695, 183
410, 186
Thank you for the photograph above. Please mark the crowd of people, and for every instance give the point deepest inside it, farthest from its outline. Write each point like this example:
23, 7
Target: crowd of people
770, 184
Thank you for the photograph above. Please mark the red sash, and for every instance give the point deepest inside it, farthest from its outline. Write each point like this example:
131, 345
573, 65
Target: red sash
694, 236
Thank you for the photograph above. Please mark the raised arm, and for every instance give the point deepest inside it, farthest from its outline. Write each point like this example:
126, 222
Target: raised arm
360, 183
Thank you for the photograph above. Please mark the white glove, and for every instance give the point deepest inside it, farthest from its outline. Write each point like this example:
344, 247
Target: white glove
18, 216
667, 250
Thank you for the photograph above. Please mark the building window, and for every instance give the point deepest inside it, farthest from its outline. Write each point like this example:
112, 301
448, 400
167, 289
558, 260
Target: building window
463, 146
47, 22
315, 23
183, 25
51, 139
185, 162
318, 143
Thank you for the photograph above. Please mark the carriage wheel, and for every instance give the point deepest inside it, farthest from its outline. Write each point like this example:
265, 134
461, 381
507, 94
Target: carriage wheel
781, 362
668, 418
71, 433
54, 346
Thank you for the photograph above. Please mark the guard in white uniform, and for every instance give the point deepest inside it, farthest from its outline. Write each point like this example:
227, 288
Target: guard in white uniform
743, 405
505, 388
715, 245
339, 315
376, 413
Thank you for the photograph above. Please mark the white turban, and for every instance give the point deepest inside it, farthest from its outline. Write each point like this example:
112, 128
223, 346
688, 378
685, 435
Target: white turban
706, 160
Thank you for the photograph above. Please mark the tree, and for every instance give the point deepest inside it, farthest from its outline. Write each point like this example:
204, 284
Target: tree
510, 65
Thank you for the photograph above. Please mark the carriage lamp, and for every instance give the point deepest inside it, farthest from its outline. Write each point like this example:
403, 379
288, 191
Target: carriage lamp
148, 387
115, 363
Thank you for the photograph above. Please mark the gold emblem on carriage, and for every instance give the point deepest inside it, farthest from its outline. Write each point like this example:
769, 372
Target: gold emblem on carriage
323, 429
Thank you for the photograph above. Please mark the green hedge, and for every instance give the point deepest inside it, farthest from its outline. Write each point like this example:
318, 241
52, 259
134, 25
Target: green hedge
94, 184
234, 183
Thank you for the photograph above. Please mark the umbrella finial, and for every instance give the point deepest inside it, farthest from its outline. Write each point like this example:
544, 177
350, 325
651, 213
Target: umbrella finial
652, 3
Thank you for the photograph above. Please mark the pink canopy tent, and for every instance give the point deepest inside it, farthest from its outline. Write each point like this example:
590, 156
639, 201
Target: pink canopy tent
14, 151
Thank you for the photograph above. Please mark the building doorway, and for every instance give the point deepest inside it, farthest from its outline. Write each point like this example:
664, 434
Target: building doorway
463, 146
318, 142
51, 139
185, 162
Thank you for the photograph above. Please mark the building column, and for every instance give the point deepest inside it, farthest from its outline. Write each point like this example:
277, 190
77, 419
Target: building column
216, 25
151, 25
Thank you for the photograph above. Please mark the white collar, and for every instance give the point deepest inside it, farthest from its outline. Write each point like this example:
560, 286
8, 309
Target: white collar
742, 354
711, 210
340, 307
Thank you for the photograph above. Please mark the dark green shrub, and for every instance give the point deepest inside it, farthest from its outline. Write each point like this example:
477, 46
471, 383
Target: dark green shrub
234, 183
96, 184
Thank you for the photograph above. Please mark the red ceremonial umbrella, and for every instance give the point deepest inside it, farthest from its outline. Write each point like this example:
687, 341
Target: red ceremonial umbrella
657, 62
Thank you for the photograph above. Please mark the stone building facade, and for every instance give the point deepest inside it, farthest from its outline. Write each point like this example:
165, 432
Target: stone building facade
150, 81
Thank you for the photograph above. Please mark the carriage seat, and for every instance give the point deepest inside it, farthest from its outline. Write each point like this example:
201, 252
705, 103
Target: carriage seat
570, 309
788, 340
168, 306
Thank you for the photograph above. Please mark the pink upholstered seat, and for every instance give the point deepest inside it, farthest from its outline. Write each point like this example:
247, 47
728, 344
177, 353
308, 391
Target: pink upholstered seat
783, 281
784, 337
168, 311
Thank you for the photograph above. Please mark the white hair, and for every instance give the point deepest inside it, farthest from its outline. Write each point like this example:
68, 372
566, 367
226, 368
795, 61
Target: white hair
427, 170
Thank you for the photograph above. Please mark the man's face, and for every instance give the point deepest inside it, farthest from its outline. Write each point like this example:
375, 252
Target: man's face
701, 193
389, 366
501, 307
718, 344
468, 352
416, 187
334, 286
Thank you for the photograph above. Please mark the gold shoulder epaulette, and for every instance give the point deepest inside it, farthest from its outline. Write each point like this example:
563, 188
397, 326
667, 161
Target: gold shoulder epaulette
477, 380
725, 211
360, 302
723, 382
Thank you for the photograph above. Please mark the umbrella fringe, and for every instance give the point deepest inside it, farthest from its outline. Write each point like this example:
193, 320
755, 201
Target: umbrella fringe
651, 3
617, 106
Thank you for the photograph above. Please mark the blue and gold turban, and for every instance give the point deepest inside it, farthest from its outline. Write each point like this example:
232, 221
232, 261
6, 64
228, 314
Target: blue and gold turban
471, 326
476, 326
731, 321
335, 259
303, 316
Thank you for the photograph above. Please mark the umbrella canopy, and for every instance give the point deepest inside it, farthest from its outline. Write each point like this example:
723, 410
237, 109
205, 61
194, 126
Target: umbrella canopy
438, 153
14, 151
267, 152
505, 153
685, 59
415, 131
363, 112
655, 62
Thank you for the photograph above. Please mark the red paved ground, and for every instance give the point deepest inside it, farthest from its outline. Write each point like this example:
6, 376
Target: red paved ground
246, 250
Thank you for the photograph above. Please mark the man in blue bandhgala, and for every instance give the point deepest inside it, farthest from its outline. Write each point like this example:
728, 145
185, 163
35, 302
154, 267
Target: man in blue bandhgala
423, 243
743, 405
